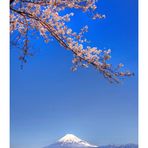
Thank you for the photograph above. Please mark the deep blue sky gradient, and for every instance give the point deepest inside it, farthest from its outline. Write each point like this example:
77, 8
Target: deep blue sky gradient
48, 100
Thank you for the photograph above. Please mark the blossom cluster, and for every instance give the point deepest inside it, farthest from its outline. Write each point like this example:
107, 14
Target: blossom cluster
45, 17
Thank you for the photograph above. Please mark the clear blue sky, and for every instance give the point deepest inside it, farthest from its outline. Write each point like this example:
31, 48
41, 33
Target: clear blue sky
48, 100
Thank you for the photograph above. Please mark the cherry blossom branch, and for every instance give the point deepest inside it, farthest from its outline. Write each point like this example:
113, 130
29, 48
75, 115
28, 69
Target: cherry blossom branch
49, 21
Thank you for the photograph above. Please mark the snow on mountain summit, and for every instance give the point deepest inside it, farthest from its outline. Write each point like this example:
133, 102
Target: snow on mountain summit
71, 141
69, 138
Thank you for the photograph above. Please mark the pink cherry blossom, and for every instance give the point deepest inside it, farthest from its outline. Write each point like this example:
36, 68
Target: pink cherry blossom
45, 17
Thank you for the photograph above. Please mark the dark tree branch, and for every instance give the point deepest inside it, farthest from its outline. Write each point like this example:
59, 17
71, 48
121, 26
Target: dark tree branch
11, 1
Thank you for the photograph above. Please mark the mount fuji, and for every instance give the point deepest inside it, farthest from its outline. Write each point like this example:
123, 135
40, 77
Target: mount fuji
71, 141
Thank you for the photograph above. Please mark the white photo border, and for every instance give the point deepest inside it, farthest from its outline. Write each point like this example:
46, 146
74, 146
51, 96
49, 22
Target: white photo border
5, 74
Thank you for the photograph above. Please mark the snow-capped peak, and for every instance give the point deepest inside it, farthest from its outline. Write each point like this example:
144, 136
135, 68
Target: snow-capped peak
72, 139
69, 138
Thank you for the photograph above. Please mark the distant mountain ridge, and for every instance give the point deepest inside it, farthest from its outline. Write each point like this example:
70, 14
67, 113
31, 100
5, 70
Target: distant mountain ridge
72, 141
120, 146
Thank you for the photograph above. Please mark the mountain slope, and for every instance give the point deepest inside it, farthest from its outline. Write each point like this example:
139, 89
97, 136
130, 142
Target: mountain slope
71, 141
